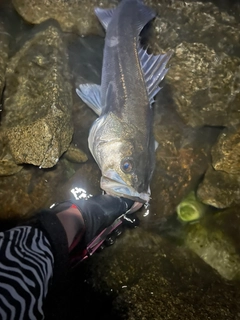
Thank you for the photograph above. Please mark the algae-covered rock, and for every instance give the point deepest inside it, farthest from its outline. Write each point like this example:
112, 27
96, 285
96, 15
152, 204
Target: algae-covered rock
7, 165
228, 221
204, 71
226, 152
37, 99
195, 22
73, 15
205, 85
15, 200
219, 189
24, 193
152, 278
215, 247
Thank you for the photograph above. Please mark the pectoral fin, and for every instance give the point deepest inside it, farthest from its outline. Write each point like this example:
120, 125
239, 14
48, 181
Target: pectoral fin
91, 95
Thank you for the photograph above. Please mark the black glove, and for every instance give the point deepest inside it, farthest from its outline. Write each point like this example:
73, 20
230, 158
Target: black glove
100, 212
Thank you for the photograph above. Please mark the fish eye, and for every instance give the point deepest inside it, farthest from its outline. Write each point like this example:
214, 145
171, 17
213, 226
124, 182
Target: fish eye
127, 165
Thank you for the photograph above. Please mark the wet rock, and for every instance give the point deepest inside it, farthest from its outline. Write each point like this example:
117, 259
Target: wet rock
205, 69
219, 189
73, 15
7, 165
74, 154
215, 248
205, 85
24, 193
14, 26
195, 22
15, 201
43, 182
228, 221
226, 152
37, 99
149, 276
31, 189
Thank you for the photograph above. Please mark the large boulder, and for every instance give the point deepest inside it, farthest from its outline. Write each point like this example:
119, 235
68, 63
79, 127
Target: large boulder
149, 277
38, 99
226, 152
75, 16
204, 71
205, 85
219, 189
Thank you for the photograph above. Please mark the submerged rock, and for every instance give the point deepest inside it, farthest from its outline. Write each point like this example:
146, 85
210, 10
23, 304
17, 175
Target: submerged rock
195, 22
209, 241
219, 189
73, 15
226, 152
31, 189
24, 192
37, 99
205, 85
151, 278
15, 200
7, 165
74, 154
205, 69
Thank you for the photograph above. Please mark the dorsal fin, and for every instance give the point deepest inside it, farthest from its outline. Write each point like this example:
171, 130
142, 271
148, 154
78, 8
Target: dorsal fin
154, 70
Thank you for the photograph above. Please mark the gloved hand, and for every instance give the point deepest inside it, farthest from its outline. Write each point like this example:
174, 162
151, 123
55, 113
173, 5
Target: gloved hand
99, 212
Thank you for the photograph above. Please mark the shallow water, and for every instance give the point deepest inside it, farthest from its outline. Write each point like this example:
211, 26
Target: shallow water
183, 156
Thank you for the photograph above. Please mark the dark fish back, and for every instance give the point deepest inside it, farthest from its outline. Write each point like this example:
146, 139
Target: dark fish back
123, 85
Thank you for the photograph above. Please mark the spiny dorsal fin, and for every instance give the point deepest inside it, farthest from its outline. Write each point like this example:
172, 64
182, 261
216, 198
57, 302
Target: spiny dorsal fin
154, 69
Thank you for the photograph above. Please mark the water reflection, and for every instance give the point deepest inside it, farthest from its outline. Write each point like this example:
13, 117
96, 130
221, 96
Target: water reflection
80, 193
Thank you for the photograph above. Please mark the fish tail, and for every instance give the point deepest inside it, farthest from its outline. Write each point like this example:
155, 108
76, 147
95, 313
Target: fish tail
141, 13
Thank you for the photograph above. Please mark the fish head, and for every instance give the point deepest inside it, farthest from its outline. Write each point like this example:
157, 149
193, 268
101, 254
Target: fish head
126, 161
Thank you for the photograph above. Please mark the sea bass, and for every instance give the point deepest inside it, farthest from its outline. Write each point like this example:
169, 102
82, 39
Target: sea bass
121, 139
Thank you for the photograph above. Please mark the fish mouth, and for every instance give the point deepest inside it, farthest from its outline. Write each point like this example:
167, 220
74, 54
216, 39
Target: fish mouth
113, 184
